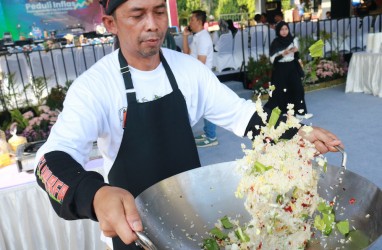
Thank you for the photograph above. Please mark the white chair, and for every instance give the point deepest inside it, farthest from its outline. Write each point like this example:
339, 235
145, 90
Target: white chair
215, 37
309, 29
378, 24
366, 29
258, 39
341, 35
42, 66
85, 57
65, 65
240, 46
223, 58
355, 34
16, 64
179, 40
292, 28
270, 35
103, 49
328, 26
297, 29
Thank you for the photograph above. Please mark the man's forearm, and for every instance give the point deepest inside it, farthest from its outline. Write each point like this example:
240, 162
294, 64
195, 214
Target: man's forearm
186, 48
70, 188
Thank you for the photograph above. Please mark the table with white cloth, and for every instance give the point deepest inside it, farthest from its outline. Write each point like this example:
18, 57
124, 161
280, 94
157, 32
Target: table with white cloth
27, 220
365, 74
374, 42
179, 40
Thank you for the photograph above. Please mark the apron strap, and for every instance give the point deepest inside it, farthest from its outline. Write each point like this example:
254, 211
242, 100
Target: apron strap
125, 71
169, 73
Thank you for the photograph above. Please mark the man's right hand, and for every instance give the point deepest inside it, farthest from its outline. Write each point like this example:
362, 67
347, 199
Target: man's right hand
117, 213
186, 31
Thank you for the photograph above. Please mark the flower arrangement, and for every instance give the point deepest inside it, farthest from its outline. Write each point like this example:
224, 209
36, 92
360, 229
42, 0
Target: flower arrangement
329, 69
322, 70
34, 126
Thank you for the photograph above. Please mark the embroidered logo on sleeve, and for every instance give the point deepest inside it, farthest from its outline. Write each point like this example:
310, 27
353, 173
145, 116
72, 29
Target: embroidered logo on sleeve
54, 186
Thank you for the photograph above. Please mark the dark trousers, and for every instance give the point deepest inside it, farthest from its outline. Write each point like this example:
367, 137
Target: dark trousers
289, 88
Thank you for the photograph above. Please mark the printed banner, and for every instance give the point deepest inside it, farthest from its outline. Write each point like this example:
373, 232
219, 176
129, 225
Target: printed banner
34, 18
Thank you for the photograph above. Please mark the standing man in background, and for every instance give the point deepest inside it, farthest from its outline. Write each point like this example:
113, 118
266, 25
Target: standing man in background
202, 49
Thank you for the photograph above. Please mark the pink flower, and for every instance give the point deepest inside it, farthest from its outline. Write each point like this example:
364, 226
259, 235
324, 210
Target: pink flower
44, 108
28, 128
44, 117
53, 113
34, 121
28, 115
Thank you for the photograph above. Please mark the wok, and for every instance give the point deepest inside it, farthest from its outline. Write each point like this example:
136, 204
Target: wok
178, 212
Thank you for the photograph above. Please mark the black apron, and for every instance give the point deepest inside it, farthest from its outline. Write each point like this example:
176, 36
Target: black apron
157, 140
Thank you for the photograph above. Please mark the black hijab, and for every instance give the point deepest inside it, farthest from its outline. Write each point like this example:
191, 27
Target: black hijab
280, 43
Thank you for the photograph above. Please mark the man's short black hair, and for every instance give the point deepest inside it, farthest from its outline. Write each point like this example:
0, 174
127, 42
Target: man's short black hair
257, 17
200, 15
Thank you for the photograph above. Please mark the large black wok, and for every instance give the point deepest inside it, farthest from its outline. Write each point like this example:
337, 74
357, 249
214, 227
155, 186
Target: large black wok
179, 211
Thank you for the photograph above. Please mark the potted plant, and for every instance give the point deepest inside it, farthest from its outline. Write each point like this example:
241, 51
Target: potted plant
259, 74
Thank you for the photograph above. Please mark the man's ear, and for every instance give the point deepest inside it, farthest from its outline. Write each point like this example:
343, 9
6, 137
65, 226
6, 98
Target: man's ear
110, 24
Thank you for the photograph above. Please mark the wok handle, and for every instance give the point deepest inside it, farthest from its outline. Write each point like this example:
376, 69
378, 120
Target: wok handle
144, 241
344, 156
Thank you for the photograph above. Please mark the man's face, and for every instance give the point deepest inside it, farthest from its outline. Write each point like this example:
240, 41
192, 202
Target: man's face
194, 23
263, 19
141, 26
278, 18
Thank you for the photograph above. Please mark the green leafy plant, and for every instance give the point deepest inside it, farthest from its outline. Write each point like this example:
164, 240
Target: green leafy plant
9, 95
304, 44
56, 97
37, 86
18, 119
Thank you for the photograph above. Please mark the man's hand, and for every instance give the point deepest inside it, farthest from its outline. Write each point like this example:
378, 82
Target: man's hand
186, 48
186, 32
322, 139
117, 213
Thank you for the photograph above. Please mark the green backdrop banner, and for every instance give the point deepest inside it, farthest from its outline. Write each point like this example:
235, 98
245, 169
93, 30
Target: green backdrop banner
30, 18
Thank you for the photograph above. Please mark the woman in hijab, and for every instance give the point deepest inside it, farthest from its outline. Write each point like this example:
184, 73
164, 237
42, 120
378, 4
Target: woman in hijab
287, 73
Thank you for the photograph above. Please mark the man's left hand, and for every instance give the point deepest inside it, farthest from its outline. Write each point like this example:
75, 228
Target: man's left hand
323, 140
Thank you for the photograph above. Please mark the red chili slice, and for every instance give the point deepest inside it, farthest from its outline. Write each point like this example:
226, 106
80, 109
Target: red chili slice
352, 201
288, 209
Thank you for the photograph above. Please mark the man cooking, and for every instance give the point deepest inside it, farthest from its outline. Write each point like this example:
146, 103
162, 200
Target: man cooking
139, 104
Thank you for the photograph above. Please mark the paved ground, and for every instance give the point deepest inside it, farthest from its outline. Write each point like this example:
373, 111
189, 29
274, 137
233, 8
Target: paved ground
355, 117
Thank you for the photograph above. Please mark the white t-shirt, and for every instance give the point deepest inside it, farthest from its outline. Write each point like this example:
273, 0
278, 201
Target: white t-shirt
93, 108
202, 45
